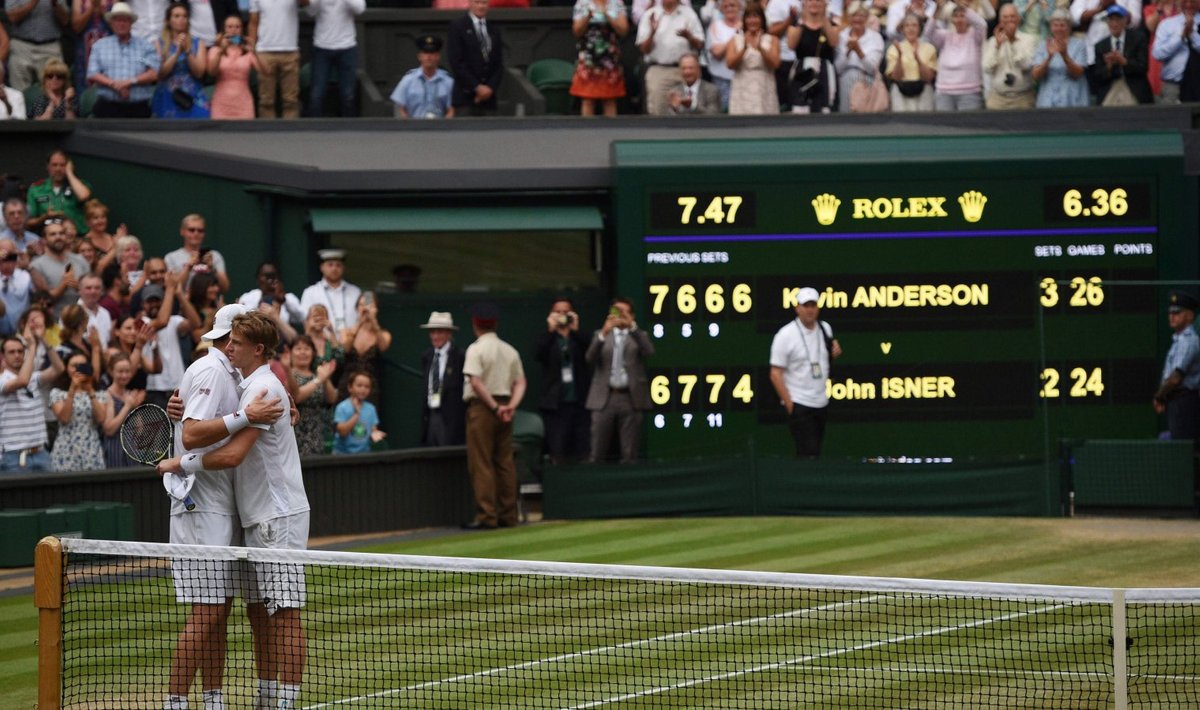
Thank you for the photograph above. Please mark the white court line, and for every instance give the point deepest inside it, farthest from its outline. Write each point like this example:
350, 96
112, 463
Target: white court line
813, 657
589, 652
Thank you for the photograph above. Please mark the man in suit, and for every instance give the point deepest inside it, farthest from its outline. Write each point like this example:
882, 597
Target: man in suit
476, 60
620, 390
693, 94
561, 349
1122, 57
444, 414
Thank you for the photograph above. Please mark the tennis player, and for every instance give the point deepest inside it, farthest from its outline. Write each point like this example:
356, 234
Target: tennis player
209, 389
270, 496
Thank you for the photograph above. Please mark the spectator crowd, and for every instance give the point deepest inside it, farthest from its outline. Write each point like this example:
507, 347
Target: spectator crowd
213, 59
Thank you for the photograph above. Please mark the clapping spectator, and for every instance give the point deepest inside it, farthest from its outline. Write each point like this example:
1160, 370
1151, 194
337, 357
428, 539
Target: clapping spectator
1119, 73
230, 61
122, 399
666, 32
26, 243
1008, 63
814, 39
57, 100
365, 344
721, 31
859, 52
129, 340
1034, 17
315, 393
124, 67
85, 249
158, 302
12, 102
58, 270
1089, 16
1059, 65
355, 419
693, 94
91, 290
75, 336
96, 213
959, 83
183, 58
912, 67
16, 288
325, 342
599, 26
1175, 40
1153, 13
753, 55
129, 260
80, 409
205, 294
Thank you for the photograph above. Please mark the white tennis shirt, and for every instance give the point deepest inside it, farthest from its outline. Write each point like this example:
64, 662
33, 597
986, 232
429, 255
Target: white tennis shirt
269, 483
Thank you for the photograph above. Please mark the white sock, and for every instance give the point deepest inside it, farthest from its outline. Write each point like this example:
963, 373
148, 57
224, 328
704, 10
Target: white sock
288, 695
214, 700
176, 702
267, 690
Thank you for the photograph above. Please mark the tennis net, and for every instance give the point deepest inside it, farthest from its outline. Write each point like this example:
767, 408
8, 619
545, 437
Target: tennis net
394, 631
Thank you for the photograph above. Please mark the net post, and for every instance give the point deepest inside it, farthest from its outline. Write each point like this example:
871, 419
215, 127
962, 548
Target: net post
1120, 659
47, 597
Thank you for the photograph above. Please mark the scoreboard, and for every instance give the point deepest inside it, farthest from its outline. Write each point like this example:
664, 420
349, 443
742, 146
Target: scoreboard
991, 294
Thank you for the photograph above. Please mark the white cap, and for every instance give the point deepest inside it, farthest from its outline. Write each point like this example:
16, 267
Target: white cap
223, 322
807, 295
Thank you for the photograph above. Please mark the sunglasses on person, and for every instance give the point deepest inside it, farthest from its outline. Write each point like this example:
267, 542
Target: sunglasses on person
56, 76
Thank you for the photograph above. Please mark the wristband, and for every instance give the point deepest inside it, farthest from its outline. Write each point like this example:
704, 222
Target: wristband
193, 463
236, 422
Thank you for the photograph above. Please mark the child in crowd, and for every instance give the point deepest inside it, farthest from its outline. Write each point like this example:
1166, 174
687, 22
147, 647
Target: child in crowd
355, 420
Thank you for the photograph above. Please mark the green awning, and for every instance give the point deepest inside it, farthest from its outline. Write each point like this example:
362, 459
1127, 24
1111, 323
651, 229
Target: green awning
483, 219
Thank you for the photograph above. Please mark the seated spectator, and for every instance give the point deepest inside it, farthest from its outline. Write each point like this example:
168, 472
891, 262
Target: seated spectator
693, 94
23, 435
427, 90
315, 394
814, 39
125, 68
89, 26
859, 53
912, 66
721, 31
182, 64
598, 26
230, 62
122, 400
1008, 63
355, 420
753, 55
667, 31
58, 100
1059, 65
16, 288
12, 102
130, 338
1119, 74
80, 409
364, 345
27, 244
959, 83
60, 194
58, 270
1174, 41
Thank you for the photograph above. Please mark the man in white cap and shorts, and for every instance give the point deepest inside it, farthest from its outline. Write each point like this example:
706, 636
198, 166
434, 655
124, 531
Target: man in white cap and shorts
209, 394
800, 356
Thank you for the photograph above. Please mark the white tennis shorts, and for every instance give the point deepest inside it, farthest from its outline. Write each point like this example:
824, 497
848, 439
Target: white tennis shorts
276, 585
204, 581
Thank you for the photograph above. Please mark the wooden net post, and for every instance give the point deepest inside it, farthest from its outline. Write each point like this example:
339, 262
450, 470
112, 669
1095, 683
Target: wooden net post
47, 597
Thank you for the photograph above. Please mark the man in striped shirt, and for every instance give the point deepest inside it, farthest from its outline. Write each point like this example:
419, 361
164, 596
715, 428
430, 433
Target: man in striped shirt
22, 426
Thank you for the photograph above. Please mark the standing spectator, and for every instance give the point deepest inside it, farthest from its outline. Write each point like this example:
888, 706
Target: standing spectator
959, 83
130, 339
80, 410
275, 38
444, 413
427, 90
1008, 62
365, 344
193, 257
912, 67
271, 290
116, 293
1152, 14
599, 26
901, 9
168, 328
155, 273
814, 39
314, 394
337, 295
75, 336
753, 55
1059, 66
335, 48
721, 31
12, 102
89, 26
91, 288
16, 288
1178, 394
782, 14
1088, 15
26, 243
208, 17
22, 423
230, 61
666, 32
152, 13
496, 387
183, 59
325, 341
693, 94
1033, 17
129, 260
58, 270
562, 351
1174, 41
355, 419
476, 61
60, 194
105, 244
85, 249
859, 52
801, 354
35, 37
125, 68
620, 389
205, 295
121, 401
1119, 74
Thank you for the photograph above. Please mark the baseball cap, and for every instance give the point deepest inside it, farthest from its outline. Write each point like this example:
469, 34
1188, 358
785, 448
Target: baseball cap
807, 295
223, 321
1116, 11
152, 291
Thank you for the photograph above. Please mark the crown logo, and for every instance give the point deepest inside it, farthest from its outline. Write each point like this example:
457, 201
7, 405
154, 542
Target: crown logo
826, 207
972, 202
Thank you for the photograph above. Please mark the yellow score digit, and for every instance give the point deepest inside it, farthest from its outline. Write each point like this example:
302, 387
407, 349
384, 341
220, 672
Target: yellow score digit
689, 383
1113, 202
659, 291
716, 382
714, 298
660, 389
1086, 384
688, 204
743, 390
1088, 292
685, 299
742, 301
1049, 292
1049, 383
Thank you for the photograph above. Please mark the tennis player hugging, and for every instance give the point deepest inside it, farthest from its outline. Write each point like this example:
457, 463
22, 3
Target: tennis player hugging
269, 492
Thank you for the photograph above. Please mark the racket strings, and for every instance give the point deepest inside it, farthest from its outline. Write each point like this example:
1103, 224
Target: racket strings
147, 434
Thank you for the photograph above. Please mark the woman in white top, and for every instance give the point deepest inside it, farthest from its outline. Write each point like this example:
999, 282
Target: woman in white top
12, 102
858, 53
721, 32
753, 55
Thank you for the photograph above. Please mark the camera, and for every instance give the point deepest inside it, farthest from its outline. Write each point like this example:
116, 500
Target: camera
564, 319
84, 368
268, 299
1010, 79
204, 252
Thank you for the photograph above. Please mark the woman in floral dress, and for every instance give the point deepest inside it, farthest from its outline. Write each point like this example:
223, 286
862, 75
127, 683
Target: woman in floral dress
599, 76
80, 410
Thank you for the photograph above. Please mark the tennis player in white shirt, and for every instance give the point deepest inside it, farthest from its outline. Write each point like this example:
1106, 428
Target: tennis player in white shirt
271, 502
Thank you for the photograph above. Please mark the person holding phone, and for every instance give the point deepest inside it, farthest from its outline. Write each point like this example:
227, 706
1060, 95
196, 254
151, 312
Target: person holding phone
58, 270
365, 345
620, 389
80, 409
193, 256
561, 349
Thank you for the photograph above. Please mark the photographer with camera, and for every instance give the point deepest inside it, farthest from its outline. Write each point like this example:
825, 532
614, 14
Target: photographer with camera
272, 299
80, 410
1008, 61
193, 256
620, 389
561, 350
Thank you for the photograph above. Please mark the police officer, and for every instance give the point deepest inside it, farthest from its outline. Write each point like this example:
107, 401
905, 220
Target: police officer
1179, 393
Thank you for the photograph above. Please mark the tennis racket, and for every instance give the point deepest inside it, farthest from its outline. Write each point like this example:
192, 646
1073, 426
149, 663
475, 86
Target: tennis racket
147, 436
